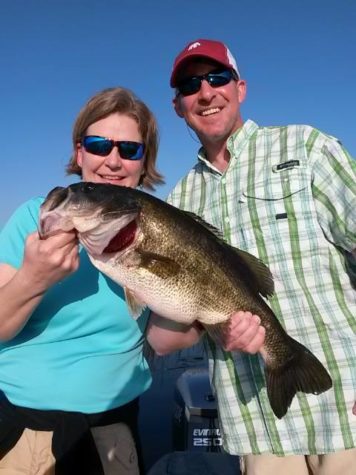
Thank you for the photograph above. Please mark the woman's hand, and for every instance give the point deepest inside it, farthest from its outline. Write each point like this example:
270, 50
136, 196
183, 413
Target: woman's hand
243, 332
47, 261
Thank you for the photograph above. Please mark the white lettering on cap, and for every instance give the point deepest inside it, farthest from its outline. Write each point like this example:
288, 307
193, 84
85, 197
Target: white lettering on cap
194, 45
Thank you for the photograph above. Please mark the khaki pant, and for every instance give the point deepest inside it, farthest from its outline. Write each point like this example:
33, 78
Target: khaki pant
32, 455
338, 463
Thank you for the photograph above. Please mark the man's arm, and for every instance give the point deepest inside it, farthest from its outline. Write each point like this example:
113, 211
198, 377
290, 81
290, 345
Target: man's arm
354, 408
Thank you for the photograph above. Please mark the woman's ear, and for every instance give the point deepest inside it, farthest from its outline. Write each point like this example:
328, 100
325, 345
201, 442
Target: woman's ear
79, 155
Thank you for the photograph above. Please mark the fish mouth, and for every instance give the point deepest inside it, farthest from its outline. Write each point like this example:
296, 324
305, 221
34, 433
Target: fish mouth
48, 225
99, 231
123, 239
110, 236
50, 214
104, 237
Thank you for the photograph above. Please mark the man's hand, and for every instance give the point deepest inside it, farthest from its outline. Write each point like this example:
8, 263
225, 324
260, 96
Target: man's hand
243, 332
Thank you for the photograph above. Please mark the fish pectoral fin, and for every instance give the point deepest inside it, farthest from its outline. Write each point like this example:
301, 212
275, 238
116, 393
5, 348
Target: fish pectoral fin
136, 307
159, 265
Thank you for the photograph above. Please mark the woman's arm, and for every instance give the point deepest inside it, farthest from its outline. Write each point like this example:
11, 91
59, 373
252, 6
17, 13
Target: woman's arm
166, 336
242, 332
45, 262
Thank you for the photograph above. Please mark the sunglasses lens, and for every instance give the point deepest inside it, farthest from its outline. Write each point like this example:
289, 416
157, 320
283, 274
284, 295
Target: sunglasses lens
221, 79
131, 150
216, 79
102, 147
98, 145
189, 86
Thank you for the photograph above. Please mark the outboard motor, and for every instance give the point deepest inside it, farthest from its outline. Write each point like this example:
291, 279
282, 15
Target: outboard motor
195, 422
197, 444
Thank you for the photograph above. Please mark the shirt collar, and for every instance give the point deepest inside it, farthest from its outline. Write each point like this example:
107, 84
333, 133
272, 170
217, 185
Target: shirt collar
235, 143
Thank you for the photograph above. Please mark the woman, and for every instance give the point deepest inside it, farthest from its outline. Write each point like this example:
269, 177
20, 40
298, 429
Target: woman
71, 363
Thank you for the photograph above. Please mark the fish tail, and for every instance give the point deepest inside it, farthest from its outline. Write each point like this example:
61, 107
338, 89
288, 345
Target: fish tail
302, 371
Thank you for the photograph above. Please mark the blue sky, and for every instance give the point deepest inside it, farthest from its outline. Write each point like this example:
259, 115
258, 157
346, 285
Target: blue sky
298, 58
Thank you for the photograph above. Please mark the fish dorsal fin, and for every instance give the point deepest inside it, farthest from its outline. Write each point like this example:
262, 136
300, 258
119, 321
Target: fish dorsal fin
135, 306
258, 275
206, 225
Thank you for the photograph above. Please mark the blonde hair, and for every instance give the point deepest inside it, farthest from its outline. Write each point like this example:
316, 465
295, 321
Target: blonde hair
122, 101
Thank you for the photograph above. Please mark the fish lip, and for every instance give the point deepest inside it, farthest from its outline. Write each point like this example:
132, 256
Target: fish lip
48, 224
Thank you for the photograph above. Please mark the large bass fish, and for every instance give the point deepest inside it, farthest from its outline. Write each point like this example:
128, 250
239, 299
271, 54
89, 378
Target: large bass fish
178, 266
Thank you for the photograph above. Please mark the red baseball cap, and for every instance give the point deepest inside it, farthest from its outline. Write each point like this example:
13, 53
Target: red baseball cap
210, 49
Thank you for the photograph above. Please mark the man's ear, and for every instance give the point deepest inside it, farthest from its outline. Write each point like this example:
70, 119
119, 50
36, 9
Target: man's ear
177, 106
242, 89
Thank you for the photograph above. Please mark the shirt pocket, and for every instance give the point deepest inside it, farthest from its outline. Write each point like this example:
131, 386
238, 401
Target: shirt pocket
278, 186
277, 208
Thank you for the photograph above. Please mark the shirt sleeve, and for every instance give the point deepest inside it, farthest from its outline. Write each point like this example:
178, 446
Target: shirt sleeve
176, 195
13, 235
334, 191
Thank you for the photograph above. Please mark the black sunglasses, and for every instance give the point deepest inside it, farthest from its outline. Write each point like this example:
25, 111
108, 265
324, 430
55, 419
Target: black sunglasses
102, 146
216, 78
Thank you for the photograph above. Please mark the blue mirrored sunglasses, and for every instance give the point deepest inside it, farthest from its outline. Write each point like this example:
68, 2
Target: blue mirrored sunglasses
216, 78
102, 146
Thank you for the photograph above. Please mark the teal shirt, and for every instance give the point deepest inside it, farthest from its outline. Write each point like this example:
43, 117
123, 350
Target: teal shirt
80, 350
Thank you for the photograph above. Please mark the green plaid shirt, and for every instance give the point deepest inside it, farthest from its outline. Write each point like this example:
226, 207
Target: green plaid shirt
288, 196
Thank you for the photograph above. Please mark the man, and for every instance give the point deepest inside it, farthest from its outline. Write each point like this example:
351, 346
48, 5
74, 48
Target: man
288, 196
